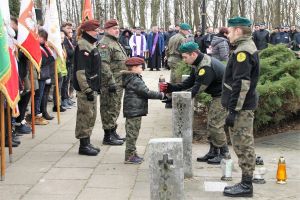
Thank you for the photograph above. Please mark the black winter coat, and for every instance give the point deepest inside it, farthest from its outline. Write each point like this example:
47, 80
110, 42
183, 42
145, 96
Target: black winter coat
135, 103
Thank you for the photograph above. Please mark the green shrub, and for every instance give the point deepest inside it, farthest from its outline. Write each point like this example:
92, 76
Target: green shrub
278, 87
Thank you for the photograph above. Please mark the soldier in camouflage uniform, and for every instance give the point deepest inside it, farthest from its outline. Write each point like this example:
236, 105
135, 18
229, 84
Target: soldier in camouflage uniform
240, 98
173, 55
206, 76
113, 58
86, 82
135, 105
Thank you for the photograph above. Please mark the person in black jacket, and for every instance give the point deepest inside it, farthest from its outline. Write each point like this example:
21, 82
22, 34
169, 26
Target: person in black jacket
261, 37
240, 98
87, 67
135, 105
206, 76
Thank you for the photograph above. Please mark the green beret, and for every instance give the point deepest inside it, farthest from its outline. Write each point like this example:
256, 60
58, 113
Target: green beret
185, 26
188, 47
239, 21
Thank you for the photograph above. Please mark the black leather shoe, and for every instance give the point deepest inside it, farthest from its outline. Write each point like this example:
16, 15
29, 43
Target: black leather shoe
85, 149
92, 146
116, 135
14, 144
217, 160
242, 189
47, 116
109, 139
213, 152
62, 109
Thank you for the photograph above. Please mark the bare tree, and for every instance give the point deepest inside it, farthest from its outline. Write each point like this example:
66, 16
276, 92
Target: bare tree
234, 8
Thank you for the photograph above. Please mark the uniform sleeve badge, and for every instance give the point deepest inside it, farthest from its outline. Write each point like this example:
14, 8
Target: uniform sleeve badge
103, 46
201, 72
86, 53
241, 57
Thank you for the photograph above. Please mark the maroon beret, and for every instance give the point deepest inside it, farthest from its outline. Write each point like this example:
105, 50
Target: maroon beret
111, 23
134, 61
90, 25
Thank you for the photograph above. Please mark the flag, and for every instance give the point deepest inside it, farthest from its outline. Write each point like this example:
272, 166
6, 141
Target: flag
52, 27
11, 88
27, 33
87, 10
4, 55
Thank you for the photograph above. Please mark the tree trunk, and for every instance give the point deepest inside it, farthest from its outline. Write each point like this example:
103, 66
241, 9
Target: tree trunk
119, 12
216, 12
167, 14
155, 8
177, 18
128, 12
234, 8
196, 15
142, 13
277, 13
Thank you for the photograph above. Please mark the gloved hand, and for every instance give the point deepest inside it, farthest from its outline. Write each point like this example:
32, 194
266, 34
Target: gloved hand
230, 118
112, 88
167, 99
90, 96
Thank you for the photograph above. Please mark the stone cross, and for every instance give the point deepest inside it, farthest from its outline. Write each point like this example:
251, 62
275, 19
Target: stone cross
182, 126
166, 169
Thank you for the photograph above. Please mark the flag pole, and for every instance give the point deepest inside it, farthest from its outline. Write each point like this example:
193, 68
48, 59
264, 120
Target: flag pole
9, 133
2, 137
57, 93
32, 101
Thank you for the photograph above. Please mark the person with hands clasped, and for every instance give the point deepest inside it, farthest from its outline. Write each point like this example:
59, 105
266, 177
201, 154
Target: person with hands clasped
240, 98
87, 67
135, 105
206, 76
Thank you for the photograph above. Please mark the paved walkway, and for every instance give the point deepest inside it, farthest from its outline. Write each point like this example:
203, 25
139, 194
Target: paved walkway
49, 167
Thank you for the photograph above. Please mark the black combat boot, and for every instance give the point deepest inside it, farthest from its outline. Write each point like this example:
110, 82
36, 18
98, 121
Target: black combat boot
242, 189
85, 149
213, 152
217, 160
45, 102
115, 135
92, 146
109, 139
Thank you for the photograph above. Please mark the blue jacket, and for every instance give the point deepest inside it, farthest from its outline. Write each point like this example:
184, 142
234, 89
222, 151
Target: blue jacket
161, 43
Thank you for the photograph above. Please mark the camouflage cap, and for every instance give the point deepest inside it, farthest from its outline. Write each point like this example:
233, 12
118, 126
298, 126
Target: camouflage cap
239, 21
185, 26
188, 47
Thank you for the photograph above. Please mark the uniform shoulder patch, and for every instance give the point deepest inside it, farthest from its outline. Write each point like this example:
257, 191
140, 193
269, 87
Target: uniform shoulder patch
201, 72
103, 46
241, 57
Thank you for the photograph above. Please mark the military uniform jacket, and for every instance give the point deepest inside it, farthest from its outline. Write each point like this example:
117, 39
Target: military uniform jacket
241, 77
87, 65
113, 57
135, 103
206, 75
173, 47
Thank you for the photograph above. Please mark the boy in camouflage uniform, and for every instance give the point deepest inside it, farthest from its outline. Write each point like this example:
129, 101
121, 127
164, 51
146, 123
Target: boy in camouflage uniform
135, 105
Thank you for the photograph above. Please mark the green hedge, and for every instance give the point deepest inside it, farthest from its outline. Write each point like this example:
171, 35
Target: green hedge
278, 87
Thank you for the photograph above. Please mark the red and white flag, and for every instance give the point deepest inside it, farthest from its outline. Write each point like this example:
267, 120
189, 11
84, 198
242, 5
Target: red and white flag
27, 33
87, 10
52, 27
11, 88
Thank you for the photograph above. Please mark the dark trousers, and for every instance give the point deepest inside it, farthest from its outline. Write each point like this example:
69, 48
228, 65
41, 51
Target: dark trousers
23, 103
38, 96
60, 82
64, 88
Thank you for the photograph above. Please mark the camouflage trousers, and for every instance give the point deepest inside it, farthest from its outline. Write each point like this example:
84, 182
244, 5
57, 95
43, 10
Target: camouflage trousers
110, 107
86, 116
173, 65
241, 135
132, 127
215, 123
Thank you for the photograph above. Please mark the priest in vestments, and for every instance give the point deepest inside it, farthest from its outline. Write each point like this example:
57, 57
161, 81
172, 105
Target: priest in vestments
155, 45
138, 45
